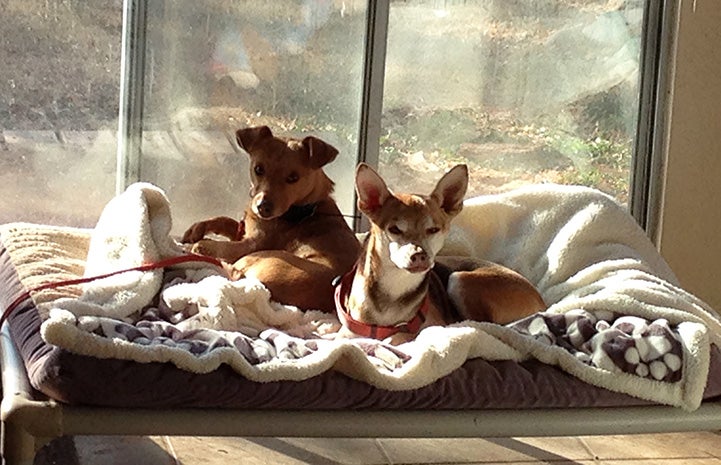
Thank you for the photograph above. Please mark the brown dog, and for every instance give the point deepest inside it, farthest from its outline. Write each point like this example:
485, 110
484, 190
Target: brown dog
293, 237
399, 286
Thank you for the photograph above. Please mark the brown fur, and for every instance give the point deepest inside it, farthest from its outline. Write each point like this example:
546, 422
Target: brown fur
398, 263
294, 250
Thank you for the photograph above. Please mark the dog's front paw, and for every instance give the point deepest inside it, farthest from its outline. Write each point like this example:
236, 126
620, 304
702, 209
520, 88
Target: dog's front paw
232, 272
195, 233
205, 247
227, 251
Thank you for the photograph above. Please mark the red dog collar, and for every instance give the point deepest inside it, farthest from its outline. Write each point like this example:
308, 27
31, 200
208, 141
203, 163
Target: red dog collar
342, 291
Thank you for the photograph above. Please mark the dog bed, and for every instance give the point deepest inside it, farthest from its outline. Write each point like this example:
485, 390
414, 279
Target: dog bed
617, 319
619, 330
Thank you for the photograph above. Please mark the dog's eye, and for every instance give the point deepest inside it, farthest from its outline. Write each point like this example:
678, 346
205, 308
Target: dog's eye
432, 230
395, 230
259, 170
292, 178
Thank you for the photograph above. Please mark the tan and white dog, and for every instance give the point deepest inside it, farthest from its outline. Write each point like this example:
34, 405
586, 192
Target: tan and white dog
399, 285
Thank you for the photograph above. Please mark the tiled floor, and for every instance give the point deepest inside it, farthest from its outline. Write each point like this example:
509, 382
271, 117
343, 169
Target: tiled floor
657, 449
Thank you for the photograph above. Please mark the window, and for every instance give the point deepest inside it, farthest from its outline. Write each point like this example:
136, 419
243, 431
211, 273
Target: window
211, 68
523, 92
59, 87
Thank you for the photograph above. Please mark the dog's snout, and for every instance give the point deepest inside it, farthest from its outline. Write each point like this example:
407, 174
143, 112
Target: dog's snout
410, 257
265, 208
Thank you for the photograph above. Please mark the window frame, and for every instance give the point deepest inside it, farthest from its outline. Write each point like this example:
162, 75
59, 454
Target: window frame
647, 165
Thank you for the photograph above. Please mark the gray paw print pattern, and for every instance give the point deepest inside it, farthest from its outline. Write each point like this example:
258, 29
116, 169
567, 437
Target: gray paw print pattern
634, 345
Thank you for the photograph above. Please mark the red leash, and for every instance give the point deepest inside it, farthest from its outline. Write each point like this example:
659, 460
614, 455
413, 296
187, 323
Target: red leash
70, 282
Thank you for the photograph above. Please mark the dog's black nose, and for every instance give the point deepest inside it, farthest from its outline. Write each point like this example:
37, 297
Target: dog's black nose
420, 259
265, 208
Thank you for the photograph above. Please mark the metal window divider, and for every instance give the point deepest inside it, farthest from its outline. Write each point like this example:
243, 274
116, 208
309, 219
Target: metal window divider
132, 83
374, 60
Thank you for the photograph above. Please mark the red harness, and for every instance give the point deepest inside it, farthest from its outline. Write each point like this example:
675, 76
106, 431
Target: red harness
342, 291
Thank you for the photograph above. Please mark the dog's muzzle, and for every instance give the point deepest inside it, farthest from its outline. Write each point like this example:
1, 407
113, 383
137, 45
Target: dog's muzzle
264, 208
410, 257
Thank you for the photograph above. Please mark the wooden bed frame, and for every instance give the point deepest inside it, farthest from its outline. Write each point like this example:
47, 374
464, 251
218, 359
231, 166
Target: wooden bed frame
30, 420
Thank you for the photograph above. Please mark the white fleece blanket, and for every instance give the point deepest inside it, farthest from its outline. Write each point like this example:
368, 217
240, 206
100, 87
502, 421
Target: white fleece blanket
616, 318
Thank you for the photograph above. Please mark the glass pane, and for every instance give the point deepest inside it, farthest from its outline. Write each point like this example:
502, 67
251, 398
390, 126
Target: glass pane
214, 67
523, 92
59, 85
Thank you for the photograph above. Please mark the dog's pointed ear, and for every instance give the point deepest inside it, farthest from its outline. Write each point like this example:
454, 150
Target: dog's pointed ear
319, 152
372, 190
451, 189
247, 137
